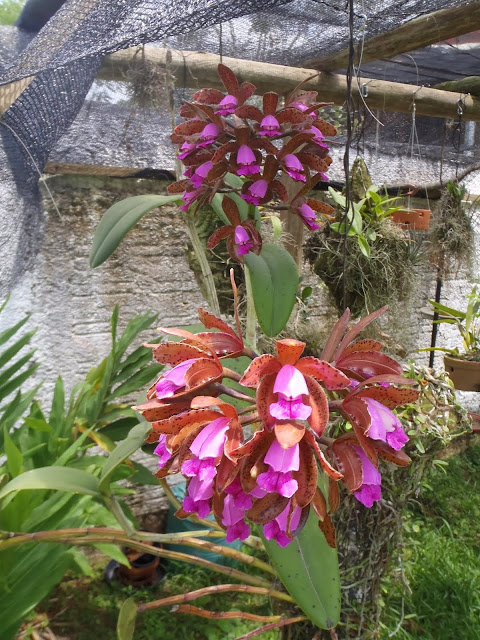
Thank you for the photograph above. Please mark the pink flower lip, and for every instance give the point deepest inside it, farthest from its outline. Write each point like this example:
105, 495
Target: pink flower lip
242, 241
189, 197
318, 137
173, 380
210, 441
290, 382
370, 491
281, 459
290, 386
209, 133
227, 105
200, 174
162, 451
299, 105
186, 150
385, 425
294, 167
308, 216
247, 161
256, 192
269, 126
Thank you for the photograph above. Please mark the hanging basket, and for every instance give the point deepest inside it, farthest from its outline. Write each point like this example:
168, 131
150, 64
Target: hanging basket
417, 219
465, 374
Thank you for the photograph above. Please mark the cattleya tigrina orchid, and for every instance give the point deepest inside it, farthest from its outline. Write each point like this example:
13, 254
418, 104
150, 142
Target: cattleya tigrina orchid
261, 463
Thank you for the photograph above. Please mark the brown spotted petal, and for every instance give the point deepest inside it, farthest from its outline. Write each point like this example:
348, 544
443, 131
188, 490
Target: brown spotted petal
331, 377
189, 128
174, 353
326, 128
202, 372
385, 452
261, 366
349, 463
292, 115
356, 411
289, 350
208, 96
246, 91
318, 419
265, 397
391, 397
176, 423
363, 345
267, 508
333, 495
306, 476
270, 103
228, 78
326, 466
328, 529
295, 142
319, 504
155, 410
227, 471
249, 112
224, 345
219, 235
365, 364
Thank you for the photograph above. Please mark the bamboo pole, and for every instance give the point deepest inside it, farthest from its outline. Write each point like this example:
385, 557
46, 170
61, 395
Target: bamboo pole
415, 34
195, 70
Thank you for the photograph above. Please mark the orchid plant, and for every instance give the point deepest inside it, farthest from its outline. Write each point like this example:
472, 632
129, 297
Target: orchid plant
267, 449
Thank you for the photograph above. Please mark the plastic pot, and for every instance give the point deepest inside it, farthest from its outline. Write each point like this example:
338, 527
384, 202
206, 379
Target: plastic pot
465, 374
418, 219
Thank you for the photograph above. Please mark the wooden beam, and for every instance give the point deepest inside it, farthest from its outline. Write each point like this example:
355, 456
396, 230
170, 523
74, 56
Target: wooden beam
416, 34
195, 70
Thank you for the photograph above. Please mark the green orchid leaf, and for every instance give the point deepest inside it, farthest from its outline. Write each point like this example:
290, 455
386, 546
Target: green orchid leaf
122, 451
308, 568
364, 246
55, 478
119, 219
126, 620
274, 278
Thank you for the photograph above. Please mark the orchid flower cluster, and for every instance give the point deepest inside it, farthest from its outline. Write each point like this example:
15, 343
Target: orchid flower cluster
262, 463
223, 134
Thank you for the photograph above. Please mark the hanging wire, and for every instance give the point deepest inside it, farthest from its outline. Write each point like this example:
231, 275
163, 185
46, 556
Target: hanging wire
346, 158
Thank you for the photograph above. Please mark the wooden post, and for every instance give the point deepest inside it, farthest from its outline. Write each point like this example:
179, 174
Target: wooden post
196, 70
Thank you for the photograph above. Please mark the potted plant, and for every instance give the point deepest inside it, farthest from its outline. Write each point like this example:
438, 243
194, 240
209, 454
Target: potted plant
463, 368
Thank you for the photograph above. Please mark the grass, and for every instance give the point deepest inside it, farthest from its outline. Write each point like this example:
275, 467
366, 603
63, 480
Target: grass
86, 607
441, 559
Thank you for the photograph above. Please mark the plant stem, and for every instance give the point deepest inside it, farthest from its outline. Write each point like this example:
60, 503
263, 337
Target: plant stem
274, 625
200, 253
204, 613
117, 511
251, 328
221, 588
233, 393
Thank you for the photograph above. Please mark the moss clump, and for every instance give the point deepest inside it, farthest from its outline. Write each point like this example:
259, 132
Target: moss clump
451, 234
388, 274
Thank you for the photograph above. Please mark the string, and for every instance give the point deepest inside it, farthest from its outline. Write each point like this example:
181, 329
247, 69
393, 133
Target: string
346, 157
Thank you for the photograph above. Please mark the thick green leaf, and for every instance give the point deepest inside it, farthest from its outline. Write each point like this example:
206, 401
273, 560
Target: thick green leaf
14, 455
124, 450
126, 620
308, 568
119, 219
274, 278
11, 331
57, 478
364, 246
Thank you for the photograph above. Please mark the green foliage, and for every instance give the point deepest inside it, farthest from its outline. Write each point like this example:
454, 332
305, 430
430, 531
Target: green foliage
86, 607
10, 10
440, 559
467, 322
308, 568
119, 219
366, 255
47, 480
274, 278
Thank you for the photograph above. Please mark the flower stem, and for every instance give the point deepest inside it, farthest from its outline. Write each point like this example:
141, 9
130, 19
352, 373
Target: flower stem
200, 253
251, 329
233, 393
221, 588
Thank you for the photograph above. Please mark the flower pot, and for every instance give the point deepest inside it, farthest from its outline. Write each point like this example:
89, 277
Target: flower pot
465, 374
418, 219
